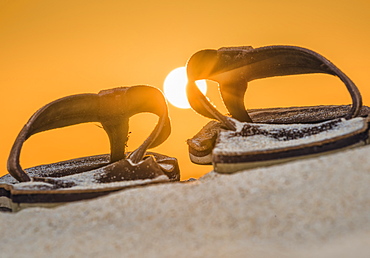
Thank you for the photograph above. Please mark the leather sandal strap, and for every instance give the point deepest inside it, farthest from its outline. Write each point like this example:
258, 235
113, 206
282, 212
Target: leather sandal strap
112, 108
234, 67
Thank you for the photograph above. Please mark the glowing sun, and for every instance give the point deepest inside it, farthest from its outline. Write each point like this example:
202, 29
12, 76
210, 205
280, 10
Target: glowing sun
174, 87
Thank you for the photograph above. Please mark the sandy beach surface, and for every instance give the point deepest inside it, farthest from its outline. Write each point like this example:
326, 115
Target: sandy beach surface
317, 207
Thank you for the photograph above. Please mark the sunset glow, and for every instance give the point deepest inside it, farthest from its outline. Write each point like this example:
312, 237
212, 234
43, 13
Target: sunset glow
174, 87
54, 49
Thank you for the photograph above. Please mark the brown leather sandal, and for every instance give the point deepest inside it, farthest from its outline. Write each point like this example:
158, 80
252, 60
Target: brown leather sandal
260, 137
90, 177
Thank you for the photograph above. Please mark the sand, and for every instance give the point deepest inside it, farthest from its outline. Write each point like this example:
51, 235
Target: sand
317, 207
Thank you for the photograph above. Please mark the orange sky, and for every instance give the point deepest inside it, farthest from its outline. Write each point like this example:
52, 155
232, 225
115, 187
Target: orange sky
51, 49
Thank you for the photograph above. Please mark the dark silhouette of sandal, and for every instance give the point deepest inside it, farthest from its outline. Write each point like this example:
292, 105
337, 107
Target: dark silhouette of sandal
231, 143
90, 177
